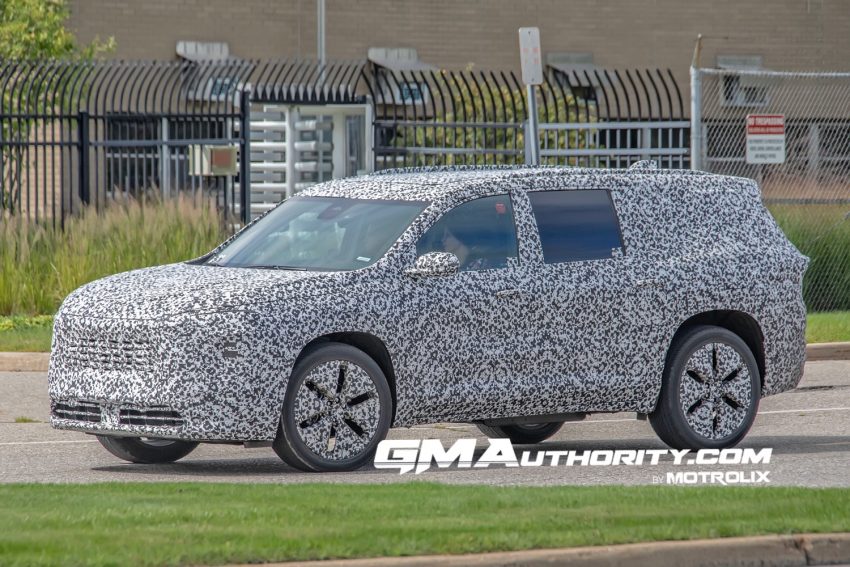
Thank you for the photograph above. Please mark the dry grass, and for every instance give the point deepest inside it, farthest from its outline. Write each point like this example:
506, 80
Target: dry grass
39, 266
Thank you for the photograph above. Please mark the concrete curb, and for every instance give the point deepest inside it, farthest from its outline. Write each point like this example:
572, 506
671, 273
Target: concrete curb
765, 551
24, 361
37, 361
828, 351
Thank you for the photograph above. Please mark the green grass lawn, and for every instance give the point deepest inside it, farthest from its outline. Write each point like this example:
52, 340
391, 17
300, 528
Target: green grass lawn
33, 339
27, 334
196, 523
829, 327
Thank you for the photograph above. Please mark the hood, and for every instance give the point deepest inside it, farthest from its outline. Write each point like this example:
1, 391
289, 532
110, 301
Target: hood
166, 291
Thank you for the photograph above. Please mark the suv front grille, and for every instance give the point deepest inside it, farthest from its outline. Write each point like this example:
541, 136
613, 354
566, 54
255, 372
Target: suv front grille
153, 416
78, 411
109, 354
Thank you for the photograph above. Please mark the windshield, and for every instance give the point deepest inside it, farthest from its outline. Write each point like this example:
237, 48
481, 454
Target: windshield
320, 233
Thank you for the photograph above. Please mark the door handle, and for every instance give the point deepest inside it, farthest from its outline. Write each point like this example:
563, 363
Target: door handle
648, 282
504, 293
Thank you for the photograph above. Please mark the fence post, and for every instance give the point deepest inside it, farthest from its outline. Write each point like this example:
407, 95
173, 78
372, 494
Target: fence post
164, 159
291, 133
696, 106
245, 156
84, 144
532, 138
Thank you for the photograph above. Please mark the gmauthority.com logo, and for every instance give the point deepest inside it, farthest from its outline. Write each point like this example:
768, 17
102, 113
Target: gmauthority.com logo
417, 456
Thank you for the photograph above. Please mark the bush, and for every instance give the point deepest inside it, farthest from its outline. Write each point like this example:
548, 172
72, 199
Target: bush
821, 232
40, 266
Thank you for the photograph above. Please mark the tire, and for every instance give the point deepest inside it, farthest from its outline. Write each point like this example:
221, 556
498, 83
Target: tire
337, 408
710, 391
522, 433
146, 450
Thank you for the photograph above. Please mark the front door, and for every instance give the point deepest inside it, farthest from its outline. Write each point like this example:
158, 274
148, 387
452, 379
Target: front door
463, 324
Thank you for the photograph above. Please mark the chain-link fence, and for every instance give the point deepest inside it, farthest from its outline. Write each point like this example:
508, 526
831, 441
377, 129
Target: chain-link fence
791, 133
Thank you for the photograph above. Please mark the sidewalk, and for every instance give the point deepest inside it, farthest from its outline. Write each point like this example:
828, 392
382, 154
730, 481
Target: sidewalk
765, 551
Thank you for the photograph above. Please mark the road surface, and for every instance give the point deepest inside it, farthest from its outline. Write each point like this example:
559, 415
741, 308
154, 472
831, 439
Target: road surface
808, 430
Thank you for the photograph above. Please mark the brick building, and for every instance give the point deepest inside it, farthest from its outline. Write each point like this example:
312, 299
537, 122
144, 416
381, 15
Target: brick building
455, 34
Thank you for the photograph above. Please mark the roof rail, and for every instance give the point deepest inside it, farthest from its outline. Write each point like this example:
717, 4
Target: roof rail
644, 164
455, 168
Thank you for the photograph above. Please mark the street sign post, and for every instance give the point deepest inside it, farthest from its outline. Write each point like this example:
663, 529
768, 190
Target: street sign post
532, 74
765, 138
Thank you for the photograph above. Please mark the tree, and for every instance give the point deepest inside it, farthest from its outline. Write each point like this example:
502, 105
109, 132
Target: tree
31, 30
35, 29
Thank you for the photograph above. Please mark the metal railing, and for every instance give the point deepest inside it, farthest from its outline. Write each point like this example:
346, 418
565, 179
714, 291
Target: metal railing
600, 118
74, 134
77, 134
617, 144
86, 133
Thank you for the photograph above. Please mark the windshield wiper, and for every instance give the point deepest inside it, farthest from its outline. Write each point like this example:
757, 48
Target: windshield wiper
267, 267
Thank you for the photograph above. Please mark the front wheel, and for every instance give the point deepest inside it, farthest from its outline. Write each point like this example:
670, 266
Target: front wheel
521, 433
146, 450
710, 391
337, 408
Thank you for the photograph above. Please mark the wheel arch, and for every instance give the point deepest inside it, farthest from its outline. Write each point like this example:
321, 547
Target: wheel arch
373, 346
742, 324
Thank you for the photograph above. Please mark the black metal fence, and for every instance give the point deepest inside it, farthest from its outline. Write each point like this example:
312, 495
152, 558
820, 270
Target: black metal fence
602, 118
83, 134
86, 133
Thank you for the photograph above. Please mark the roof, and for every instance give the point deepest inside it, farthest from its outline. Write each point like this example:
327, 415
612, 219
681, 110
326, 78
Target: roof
432, 183
398, 59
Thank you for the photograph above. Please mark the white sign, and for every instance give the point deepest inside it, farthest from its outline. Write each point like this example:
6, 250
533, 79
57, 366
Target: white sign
530, 56
765, 138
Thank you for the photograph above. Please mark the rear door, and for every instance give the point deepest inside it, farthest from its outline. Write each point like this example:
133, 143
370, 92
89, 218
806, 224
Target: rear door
598, 314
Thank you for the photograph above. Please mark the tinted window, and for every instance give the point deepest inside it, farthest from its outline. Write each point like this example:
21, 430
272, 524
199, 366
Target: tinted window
575, 225
481, 233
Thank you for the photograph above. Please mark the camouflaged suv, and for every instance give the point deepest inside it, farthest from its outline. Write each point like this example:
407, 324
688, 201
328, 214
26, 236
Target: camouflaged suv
513, 298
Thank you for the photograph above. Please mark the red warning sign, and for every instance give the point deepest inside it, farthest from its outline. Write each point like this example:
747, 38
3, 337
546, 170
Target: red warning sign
765, 138
765, 124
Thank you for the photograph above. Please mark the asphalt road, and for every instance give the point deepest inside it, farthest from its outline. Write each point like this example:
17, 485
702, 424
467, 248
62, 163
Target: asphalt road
808, 430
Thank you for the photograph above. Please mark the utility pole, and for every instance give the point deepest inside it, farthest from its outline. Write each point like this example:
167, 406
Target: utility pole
320, 32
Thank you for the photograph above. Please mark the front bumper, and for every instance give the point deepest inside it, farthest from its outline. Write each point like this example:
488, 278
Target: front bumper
183, 379
92, 416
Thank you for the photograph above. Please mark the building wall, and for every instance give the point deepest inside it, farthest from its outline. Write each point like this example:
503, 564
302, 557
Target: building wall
788, 34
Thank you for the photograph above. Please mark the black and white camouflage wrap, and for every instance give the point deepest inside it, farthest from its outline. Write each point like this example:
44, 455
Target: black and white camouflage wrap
217, 345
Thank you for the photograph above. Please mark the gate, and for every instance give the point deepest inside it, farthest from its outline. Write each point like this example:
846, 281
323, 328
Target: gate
308, 124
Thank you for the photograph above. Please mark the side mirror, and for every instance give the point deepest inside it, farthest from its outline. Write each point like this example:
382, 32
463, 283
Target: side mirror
434, 264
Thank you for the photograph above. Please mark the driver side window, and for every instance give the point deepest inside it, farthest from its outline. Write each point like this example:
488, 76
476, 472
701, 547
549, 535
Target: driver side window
481, 233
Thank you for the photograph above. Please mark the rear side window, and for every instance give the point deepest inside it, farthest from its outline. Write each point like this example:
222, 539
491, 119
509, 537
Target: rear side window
575, 225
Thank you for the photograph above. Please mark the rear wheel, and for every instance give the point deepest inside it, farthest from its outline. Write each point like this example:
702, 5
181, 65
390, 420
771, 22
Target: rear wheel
710, 392
521, 433
337, 408
145, 449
